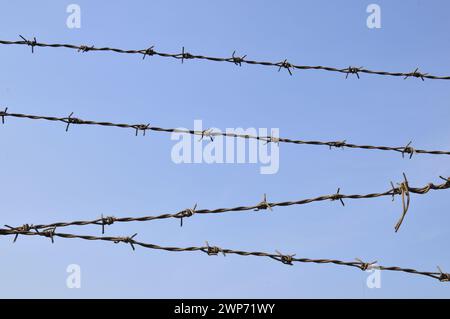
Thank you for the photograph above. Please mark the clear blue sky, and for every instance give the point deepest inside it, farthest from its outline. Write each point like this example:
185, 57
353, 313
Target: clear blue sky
49, 175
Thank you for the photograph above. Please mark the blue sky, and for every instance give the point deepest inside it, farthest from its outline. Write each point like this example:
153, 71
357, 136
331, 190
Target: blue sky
50, 175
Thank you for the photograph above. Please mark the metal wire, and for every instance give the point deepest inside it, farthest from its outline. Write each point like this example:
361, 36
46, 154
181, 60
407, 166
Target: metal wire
237, 60
70, 120
403, 190
215, 250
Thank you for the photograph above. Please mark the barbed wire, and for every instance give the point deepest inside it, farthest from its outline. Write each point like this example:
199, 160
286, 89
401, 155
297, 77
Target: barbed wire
215, 250
211, 134
236, 60
403, 189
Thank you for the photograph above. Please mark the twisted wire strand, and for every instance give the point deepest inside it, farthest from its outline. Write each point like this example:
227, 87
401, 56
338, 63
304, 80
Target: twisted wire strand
70, 120
184, 55
214, 250
403, 190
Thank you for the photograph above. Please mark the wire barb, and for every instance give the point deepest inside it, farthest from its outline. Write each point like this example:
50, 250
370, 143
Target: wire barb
142, 127
32, 44
338, 144
393, 190
85, 48
408, 150
272, 139
444, 277
126, 240
338, 196
185, 55
207, 133
18, 230
213, 250
264, 204
285, 64
404, 191
416, 74
149, 52
364, 265
285, 259
352, 70
49, 232
186, 213
237, 60
72, 120
108, 220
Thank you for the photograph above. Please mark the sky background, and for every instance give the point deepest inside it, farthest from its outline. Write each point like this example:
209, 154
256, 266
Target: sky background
49, 175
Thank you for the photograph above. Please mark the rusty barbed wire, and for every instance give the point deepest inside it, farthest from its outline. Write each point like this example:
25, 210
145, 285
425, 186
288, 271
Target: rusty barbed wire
215, 250
403, 190
184, 55
70, 120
